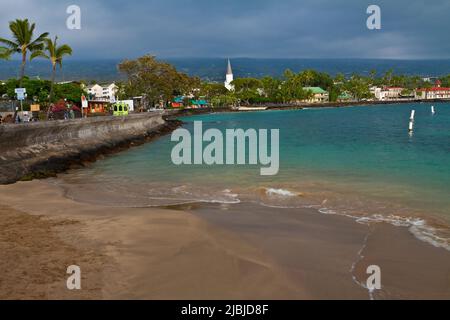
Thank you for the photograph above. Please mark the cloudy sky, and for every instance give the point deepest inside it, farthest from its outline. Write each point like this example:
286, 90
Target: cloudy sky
411, 29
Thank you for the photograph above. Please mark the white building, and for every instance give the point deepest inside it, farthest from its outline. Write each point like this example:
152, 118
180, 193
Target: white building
435, 93
229, 78
106, 92
387, 93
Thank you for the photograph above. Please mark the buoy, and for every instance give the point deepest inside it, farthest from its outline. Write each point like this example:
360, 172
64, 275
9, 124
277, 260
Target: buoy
432, 110
413, 114
411, 126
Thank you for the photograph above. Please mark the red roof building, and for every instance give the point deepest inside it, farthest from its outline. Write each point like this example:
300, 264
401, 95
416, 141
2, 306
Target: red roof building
436, 92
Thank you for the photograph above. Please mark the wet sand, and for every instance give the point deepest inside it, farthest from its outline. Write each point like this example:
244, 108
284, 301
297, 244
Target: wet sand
203, 252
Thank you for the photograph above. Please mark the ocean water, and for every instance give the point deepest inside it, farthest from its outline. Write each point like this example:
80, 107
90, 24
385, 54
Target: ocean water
359, 161
213, 69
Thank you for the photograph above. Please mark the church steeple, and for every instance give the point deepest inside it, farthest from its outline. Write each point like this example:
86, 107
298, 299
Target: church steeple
229, 78
229, 70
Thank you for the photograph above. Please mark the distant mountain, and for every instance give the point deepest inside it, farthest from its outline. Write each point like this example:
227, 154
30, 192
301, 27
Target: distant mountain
213, 69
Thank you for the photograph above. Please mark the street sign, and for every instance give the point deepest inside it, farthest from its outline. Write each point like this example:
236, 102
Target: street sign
21, 96
20, 91
35, 107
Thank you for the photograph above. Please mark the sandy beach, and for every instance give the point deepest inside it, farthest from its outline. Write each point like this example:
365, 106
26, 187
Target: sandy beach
203, 252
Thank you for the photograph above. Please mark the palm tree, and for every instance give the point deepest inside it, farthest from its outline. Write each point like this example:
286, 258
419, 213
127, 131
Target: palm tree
4, 53
55, 54
23, 42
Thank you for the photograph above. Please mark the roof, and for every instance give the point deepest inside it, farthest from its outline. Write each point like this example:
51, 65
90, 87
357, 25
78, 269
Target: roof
103, 85
200, 102
229, 70
344, 95
315, 90
433, 89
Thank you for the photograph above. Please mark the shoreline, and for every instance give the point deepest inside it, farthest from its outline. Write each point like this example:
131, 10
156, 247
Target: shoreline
348, 104
54, 162
42, 150
198, 252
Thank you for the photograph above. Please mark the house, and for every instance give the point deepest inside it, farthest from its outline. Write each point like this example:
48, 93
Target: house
201, 103
387, 93
103, 92
180, 101
319, 95
94, 91
96, 107
393, 92
344, 97
435, 93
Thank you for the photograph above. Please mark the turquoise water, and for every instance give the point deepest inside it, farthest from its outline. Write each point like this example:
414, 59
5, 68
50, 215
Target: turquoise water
360, 161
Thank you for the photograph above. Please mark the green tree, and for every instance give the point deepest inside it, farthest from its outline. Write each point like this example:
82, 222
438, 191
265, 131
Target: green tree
210, 90
246, 89
70, 91
446, 81
156, 80
358, 87
271, 89
36, 89
23, 41
4, 53
55, 54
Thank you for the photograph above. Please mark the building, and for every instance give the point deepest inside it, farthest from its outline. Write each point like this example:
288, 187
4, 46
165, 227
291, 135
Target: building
94, 91
96, 107
344, 97
435, 93
387, 93
189, 102
105, 92
319, 95
229, 78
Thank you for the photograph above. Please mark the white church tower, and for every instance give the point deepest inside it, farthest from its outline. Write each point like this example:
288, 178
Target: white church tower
229, 77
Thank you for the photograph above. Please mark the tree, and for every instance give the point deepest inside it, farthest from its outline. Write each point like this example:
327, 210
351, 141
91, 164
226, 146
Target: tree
55, 54
445, 81
4, 53
70, 91
246, 89
271, 89
156, 80
358, 87
291, 89
23, 42
210, 90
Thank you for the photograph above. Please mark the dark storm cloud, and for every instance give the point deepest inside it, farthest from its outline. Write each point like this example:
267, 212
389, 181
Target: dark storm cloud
252, 28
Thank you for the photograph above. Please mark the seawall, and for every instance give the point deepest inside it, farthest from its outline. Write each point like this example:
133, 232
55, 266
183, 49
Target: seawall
42, 149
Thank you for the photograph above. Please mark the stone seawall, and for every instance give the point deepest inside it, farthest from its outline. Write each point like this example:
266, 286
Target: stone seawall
43, 149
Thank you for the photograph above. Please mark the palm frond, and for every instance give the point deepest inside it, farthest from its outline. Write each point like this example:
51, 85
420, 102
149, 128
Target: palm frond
5, 53
12, 45
38, 54
63, 50
41, 38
